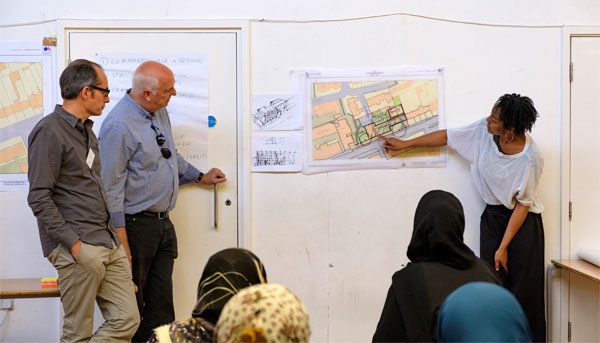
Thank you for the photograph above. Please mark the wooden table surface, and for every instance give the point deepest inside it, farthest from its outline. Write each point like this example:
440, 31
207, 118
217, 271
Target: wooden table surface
26, 288
580, 267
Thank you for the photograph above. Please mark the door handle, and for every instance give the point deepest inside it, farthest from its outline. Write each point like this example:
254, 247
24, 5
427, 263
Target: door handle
216, 199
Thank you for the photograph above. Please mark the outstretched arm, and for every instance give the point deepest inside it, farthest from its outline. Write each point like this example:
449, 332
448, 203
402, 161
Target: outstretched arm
397, 146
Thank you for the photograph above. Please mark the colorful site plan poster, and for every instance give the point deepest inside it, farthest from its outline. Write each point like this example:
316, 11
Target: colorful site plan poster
347, 110
26, 94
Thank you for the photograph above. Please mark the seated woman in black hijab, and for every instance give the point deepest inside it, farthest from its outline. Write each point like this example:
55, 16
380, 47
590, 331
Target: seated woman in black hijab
225, 274
440, 263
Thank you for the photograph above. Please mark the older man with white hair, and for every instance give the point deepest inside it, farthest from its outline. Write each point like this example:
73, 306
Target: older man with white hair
142, 172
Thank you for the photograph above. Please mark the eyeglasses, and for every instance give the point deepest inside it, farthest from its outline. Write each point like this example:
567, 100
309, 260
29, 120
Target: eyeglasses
105, 90
160, 140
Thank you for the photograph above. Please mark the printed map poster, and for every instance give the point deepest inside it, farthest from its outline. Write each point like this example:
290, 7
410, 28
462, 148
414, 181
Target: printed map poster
26, 94
346, 111
188, 110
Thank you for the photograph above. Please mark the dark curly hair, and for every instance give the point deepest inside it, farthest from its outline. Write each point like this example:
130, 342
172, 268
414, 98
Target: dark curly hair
516, 112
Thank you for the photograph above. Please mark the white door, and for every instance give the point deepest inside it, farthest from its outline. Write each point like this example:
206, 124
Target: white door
194, 214
585, 183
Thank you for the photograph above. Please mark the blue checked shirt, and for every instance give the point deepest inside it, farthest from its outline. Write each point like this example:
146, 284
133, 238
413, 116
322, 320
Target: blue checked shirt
136, 175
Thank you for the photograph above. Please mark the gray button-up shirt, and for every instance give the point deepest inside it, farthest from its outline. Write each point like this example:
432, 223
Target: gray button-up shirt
137, 176
66, 195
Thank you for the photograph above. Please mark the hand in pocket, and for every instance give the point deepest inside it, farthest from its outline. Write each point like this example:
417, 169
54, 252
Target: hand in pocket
75, 249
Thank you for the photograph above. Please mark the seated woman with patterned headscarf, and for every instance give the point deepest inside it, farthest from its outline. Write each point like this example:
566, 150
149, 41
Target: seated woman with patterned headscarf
266, 313
440, 262
225, 274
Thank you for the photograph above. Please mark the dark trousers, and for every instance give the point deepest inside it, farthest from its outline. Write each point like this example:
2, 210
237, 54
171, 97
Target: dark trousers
525, 276
153, 246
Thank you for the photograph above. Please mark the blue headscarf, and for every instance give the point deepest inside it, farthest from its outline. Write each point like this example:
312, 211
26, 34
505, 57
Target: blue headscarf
482, 312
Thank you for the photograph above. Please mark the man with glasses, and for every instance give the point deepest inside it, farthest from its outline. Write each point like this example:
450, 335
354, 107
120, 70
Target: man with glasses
142, 172
67, 196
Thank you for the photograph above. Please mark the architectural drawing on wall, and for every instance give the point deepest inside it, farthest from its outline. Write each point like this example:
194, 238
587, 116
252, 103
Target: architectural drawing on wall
26, 95
276, 112
269, 113
346, 111
274, 158
280, 152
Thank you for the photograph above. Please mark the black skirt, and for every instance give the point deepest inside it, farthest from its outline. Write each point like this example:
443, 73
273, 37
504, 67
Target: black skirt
525, 276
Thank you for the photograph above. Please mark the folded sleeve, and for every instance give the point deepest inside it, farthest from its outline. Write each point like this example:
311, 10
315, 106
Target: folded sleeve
527, 188
114, 155
187, 172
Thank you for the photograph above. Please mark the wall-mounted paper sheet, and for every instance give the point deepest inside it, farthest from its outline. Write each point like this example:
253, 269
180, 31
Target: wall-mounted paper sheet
346, 111
277, 152
280, 111
26, 94
188, 110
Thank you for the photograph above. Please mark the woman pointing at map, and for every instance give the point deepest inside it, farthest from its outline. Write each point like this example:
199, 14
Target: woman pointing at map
506, 165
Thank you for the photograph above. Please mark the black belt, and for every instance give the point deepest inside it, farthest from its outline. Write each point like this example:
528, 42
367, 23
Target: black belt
158, 215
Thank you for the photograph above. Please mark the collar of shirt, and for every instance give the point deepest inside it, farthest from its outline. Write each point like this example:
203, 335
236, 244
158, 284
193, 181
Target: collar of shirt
73, 121
139, 109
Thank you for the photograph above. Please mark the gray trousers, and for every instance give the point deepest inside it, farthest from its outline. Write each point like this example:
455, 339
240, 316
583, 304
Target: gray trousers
99, 275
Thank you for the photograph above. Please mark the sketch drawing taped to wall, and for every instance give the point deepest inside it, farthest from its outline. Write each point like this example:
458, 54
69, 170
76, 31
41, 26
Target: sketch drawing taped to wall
276, 112
270, 113
274, 158
278, 152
